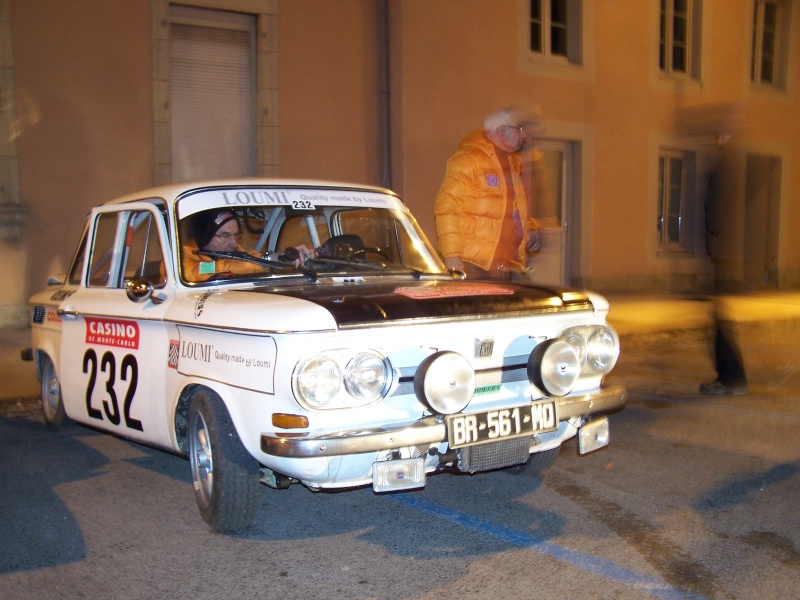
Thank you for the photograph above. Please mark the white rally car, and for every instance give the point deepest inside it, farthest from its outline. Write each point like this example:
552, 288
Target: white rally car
367, 364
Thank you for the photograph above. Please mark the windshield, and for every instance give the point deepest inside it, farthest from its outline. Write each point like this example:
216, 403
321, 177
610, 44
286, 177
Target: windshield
245, 233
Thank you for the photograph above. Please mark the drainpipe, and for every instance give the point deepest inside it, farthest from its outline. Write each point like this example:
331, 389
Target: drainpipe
385, 148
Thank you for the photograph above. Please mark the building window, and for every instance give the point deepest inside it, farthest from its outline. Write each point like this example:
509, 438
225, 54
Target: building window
679, 37
555, 29
215, 88
213, 92
770, 43
12, 120
674, 169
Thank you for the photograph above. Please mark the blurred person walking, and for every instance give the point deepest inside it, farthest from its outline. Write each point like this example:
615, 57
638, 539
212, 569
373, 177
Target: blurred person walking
483, 219
725, 245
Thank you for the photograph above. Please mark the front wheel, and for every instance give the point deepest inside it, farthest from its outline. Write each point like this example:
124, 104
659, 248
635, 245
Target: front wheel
224, 475
52, 402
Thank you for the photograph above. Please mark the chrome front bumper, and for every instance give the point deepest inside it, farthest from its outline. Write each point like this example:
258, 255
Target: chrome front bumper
424, 432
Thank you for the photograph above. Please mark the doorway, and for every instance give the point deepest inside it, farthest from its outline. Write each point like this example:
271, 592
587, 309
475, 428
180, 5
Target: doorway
762, 210
550, 196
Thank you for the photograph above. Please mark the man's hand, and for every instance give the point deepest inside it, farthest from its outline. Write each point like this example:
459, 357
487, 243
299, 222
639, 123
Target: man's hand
305, 254
532, 242
454, 263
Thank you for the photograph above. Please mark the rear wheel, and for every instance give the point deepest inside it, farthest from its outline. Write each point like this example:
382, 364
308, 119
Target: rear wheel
536, 463
224, 475
52, 402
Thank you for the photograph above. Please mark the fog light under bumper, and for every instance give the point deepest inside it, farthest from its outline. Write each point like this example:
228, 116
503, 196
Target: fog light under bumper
593, 435
395, 475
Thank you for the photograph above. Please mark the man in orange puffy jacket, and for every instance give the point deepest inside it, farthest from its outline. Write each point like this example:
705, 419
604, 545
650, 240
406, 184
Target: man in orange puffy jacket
482, 221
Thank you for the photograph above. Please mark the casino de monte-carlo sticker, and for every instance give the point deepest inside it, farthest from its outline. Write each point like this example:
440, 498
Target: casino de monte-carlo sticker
240, 360
112, 332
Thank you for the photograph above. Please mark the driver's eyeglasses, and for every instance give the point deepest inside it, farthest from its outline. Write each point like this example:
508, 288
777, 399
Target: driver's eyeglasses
513, 128
229, 236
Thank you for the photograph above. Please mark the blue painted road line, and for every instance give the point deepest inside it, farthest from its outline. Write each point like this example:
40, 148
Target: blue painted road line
607, 569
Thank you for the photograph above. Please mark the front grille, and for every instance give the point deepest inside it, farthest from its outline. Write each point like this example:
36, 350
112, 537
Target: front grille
494, 455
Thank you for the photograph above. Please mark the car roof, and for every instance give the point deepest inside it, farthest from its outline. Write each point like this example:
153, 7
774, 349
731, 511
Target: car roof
172, 191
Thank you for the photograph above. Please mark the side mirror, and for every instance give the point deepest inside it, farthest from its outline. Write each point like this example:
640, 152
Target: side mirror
140, 290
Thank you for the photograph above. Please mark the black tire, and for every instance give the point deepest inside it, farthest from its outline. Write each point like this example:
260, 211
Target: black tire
537, 462
52, 402
224, 475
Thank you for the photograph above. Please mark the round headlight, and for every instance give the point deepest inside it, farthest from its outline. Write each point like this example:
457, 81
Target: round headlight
317, 381
365, 376
603, 350
445, 381
554, 366
577, 340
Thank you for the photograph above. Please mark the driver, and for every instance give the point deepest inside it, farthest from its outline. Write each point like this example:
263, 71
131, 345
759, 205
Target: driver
218, 230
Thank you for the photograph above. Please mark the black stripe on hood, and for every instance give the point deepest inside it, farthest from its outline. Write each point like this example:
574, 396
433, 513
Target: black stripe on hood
370, 304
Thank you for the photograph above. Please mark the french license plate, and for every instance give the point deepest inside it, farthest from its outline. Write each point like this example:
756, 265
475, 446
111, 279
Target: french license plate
493, 425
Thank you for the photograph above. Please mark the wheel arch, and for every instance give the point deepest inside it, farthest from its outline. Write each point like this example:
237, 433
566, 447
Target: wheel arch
181, 419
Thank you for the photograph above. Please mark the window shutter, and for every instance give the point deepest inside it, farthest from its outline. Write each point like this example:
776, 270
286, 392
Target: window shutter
213, 95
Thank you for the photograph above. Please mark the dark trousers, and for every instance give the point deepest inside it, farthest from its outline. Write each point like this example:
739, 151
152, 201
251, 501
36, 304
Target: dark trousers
728, 359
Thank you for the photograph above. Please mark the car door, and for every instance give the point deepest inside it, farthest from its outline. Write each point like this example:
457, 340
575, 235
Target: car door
115, 349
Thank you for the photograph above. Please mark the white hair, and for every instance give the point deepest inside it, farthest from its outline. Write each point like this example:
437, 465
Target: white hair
500, 117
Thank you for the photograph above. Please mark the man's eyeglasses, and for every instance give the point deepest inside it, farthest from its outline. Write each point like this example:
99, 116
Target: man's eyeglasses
228, 236
513, 128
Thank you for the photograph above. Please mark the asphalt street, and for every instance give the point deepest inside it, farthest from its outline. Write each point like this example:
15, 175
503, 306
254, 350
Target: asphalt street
695, 497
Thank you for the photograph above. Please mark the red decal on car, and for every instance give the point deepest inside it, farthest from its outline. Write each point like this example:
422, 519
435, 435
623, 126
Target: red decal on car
479, 289
112, 332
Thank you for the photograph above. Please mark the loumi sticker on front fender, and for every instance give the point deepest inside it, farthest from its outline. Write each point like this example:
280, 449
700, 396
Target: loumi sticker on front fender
243, 361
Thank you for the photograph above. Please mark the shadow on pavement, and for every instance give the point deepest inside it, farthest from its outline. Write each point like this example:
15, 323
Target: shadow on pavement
37, 528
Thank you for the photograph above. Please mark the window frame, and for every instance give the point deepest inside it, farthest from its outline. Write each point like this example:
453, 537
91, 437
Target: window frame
571, 25
685, 215
781, 35
213, 55
692, 39
266, 57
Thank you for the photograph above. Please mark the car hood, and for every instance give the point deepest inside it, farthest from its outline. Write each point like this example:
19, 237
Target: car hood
371, 304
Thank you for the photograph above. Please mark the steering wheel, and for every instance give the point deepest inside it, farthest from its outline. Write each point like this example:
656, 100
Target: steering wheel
220, 276
364, 251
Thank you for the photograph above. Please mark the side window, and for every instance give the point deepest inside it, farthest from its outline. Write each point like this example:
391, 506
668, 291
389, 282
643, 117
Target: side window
101, 265
142, 255
76, 270
125, 245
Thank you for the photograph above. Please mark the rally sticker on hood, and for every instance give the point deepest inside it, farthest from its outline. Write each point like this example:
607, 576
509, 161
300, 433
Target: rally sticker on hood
479, 289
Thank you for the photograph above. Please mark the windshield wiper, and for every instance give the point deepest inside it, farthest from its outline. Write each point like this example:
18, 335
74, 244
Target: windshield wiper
245, 257
349, 263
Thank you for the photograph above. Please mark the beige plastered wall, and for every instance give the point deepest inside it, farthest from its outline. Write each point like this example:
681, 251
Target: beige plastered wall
455, 63
86, 70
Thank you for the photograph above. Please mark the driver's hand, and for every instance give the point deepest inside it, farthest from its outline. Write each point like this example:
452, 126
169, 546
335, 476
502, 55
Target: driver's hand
305, 254
454, 263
